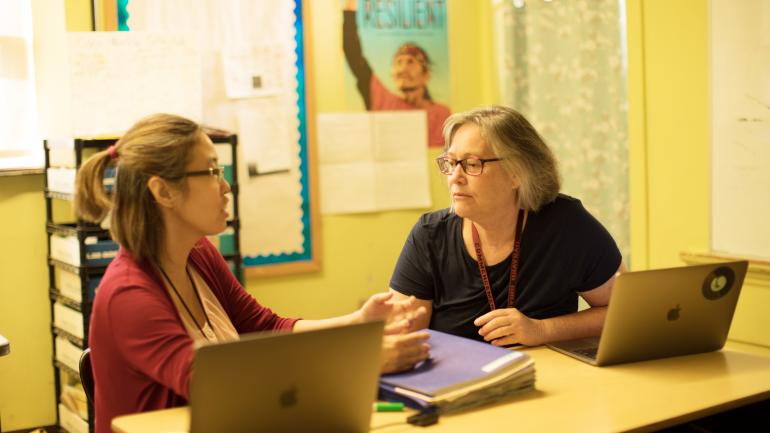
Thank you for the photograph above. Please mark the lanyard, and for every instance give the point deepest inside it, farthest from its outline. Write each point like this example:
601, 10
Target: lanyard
184, 304
514, 262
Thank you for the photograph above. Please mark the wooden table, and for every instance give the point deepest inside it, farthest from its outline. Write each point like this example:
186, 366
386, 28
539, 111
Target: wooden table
572, 396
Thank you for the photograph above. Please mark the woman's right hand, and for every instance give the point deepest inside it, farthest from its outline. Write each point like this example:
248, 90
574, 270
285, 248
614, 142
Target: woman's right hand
403, 351
401, 314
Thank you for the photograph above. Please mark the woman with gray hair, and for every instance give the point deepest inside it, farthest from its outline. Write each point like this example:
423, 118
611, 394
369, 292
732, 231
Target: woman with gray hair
507, 262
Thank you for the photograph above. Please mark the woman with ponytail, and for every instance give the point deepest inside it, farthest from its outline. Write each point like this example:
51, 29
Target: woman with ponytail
169, 289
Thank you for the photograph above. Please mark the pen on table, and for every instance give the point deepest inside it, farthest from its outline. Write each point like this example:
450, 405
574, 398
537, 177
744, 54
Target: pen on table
388, 406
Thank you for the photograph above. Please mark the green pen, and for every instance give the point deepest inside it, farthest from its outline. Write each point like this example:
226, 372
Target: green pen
386, 406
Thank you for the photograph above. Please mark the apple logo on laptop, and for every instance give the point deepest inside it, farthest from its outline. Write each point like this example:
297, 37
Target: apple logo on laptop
288, 397
673, 314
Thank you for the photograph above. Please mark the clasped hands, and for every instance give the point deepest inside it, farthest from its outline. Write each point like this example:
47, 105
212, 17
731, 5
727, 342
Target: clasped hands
402, 346
506, 326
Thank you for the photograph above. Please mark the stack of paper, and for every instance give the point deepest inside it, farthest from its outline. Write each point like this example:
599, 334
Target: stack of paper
71, 421
461, 373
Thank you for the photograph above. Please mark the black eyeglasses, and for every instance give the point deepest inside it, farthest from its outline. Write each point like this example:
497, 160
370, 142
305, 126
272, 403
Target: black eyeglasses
471, 166
218, 172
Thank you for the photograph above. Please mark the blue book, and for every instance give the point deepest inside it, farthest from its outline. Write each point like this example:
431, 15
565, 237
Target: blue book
460, 373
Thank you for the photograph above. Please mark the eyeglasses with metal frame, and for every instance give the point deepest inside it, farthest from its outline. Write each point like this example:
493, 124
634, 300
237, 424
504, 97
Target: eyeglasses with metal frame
471, 166
218, 172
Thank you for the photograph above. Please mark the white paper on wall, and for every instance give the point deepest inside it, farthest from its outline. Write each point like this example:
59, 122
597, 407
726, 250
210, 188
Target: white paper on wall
238, 40
257, 71
117, 78
373, 161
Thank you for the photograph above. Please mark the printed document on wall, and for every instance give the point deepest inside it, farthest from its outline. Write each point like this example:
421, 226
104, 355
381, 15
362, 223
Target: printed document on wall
116, 78
269, 181
257, 71
373, 161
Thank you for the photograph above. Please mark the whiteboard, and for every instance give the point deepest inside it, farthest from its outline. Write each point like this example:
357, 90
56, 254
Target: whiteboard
740, 127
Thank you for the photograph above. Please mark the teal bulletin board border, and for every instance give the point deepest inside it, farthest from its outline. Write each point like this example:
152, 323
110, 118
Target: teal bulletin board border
307, 251
307, 246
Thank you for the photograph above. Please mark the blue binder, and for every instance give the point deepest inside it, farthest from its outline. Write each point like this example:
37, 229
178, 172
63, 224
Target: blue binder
456, 363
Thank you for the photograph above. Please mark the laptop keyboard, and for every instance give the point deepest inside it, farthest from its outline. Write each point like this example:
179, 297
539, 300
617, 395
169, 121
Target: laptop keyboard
587, 351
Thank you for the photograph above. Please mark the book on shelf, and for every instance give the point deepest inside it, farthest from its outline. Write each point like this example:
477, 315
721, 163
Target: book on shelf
67, 353
73, 397
460, 374
69, 284
61, 179
68, 320
71, 422
98, 252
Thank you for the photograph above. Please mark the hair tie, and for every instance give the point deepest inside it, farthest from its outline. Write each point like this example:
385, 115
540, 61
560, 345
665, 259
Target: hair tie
112, 152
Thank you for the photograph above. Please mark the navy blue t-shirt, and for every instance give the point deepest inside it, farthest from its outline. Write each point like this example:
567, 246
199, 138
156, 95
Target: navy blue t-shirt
564, 250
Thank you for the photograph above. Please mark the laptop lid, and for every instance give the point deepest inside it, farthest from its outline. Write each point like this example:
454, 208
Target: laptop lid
665, 312
324, 380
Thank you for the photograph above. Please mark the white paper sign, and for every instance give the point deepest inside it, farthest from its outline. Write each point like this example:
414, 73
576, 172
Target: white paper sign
116, 78
373, 161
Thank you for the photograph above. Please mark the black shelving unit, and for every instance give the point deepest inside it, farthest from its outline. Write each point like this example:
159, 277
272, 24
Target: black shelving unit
74, 276
232, 254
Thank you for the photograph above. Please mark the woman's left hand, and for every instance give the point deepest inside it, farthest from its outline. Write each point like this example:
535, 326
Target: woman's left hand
505, 326
399, 316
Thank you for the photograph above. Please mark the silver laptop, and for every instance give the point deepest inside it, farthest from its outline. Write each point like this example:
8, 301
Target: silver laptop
664, 312
321, 381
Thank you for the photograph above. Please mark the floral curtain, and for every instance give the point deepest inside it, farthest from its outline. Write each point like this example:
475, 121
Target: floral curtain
562, 64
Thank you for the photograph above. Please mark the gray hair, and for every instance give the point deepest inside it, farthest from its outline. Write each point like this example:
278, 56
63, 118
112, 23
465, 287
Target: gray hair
524, 152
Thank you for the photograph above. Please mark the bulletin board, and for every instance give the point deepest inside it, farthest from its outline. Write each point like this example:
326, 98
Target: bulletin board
256, 82
740, 127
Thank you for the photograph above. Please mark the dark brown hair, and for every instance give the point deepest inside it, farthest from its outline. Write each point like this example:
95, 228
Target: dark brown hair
416, 51
157, 145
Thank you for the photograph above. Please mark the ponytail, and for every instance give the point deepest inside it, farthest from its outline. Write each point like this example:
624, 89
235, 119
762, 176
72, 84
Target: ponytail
157, 145
92, 203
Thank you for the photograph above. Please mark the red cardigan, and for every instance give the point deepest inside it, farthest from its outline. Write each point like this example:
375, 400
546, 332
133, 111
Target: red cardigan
140, 351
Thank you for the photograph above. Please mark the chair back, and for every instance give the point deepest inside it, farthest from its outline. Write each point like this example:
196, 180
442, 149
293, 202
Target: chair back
86, 374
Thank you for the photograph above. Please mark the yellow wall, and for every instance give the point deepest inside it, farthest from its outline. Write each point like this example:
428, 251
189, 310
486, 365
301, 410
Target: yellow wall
26, 375
668, 129
78, 15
